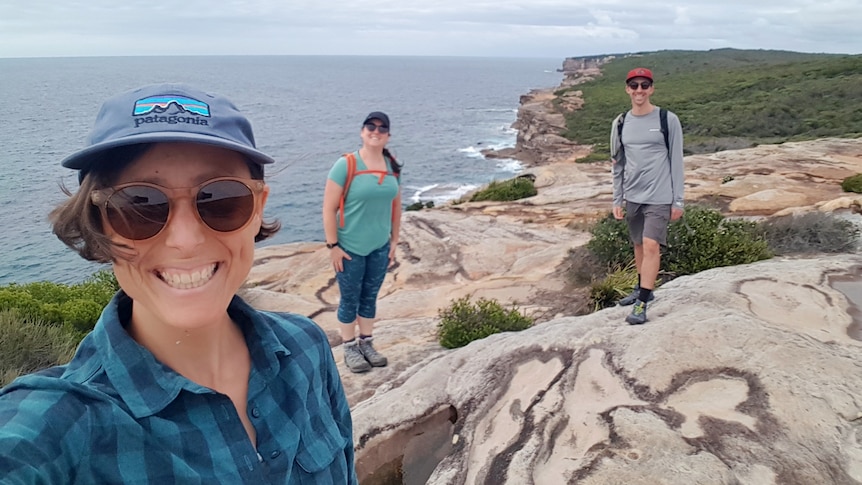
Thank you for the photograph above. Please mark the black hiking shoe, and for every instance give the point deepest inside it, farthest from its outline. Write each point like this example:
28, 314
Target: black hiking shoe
633, 297
638, 314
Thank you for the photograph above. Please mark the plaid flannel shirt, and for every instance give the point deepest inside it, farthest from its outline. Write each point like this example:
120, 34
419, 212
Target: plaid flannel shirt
115, 414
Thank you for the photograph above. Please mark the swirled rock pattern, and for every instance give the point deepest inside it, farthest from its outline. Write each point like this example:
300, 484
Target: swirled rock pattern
750, 374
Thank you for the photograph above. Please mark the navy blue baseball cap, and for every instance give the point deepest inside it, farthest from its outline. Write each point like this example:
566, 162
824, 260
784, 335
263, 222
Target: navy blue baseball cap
166, 113
377, 115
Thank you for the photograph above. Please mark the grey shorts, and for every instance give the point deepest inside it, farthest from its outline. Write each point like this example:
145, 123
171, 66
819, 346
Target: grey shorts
648, 221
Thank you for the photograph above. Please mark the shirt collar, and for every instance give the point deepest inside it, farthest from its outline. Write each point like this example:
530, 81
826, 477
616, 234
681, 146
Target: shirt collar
146, 385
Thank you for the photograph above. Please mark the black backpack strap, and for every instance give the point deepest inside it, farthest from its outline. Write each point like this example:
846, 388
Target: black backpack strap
620, 127
662, 116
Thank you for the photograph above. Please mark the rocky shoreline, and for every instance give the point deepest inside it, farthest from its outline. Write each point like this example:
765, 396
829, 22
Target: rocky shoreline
746, 374
540, 123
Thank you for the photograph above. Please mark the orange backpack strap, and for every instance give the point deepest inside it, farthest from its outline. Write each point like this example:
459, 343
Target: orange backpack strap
351, 171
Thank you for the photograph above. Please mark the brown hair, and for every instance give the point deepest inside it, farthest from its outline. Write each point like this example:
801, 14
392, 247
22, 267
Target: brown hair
78, 222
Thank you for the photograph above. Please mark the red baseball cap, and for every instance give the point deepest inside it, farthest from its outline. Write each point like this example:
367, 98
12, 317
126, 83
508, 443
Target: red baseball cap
639, 72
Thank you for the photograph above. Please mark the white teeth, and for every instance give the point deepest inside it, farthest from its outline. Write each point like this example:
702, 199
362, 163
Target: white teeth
187, 281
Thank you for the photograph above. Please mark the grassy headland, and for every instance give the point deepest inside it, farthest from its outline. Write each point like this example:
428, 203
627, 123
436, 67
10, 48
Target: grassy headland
730, 99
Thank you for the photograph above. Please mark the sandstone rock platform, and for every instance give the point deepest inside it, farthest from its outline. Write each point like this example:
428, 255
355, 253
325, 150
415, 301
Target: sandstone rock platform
744, 375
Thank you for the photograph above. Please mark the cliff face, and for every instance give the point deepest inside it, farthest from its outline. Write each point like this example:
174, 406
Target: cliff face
579, 69
540, 121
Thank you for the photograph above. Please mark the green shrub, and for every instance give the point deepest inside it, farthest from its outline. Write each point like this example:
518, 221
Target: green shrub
512, 189
416, 206
615, 285
701, 240
610, 242
852, 183
463, 322
813, 232
595, 156
27, 345
704, 239
77, 306
584, 268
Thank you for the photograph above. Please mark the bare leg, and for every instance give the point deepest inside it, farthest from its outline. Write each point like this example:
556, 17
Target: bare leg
649, 264
639, 256
347, 331
366, 326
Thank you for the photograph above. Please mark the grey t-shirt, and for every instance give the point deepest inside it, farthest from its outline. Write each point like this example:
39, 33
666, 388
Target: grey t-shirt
646, 172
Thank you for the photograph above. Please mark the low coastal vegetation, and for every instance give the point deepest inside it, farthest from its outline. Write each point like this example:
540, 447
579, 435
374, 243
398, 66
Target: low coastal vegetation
729, 99
814, 232
852, 183
75, 307
702, 240
464, 321
418, 206
507, 190
42, 323
28, 345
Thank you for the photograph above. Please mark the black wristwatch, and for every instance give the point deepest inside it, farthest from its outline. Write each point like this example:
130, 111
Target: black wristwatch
330, 246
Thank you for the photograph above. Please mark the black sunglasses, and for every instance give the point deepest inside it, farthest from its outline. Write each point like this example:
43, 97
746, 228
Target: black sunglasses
140, 210
643, 84
381, 128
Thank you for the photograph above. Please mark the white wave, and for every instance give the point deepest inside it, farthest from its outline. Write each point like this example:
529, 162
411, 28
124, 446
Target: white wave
472, 152
440, 193
509, 165
501, 145
508, 130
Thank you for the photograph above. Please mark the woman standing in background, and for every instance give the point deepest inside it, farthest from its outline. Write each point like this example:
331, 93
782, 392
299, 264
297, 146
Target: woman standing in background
361, 219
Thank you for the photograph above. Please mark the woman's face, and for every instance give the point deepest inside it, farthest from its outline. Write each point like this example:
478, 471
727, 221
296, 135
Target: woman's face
185, 276
374, 138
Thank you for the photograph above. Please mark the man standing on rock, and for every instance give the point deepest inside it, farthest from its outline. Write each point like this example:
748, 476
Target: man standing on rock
646, 150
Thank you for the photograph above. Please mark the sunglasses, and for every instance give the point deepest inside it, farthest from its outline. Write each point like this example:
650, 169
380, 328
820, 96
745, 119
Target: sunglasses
382, 129
140, 210
643, 84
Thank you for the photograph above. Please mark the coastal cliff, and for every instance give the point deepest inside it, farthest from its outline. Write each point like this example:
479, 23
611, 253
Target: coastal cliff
540, 121
746, 374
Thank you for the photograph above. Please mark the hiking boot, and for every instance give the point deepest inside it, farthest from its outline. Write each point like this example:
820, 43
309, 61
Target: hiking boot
638, 314
366, 347
354, 359
633, 297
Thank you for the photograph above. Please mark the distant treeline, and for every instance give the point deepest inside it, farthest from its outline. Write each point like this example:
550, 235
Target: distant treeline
730, 99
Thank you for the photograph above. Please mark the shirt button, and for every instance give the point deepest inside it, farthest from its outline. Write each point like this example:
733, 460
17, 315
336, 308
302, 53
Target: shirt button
274, 454
255, 412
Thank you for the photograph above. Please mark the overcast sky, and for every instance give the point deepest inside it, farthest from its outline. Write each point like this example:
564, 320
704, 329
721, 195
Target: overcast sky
506, 28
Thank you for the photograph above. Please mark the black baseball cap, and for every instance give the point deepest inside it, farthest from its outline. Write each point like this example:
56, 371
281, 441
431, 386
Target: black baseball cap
377, 115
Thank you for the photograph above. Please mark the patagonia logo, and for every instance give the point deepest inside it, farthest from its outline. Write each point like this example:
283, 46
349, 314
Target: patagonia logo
171, 110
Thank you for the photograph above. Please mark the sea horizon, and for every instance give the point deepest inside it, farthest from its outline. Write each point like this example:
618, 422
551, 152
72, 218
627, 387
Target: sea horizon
306, 111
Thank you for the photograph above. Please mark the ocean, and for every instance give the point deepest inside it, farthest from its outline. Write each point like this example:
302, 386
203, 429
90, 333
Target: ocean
306, 111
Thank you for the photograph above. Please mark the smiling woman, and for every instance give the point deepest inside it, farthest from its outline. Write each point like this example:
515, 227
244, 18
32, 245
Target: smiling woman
195, 385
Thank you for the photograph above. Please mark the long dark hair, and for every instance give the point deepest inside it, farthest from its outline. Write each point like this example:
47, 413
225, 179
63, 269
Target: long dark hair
396, 167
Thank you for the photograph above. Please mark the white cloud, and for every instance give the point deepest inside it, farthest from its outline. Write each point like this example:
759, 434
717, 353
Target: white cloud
682, 17
546, 28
